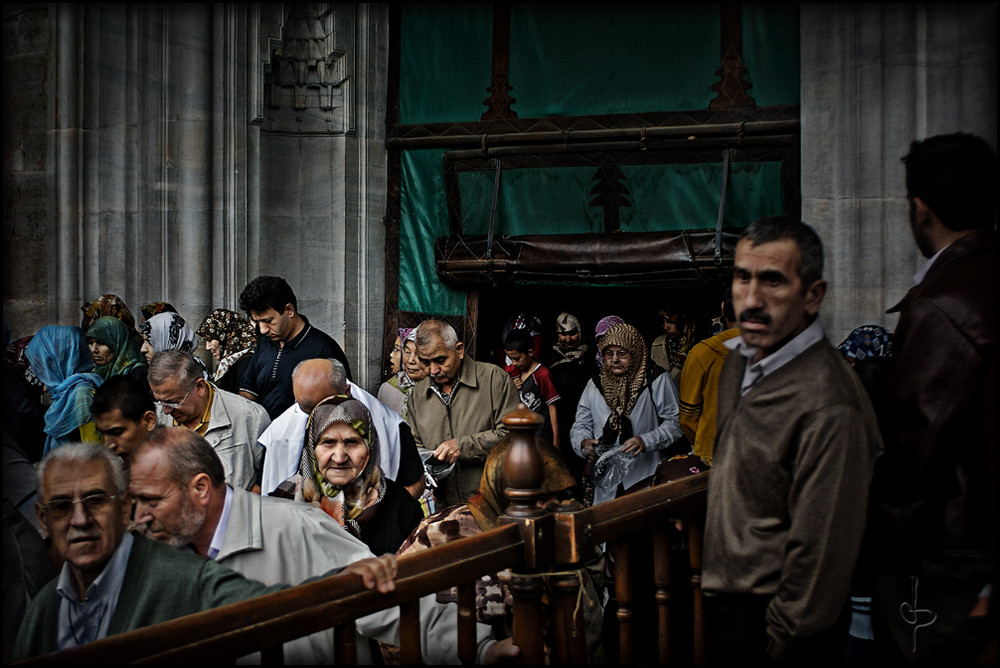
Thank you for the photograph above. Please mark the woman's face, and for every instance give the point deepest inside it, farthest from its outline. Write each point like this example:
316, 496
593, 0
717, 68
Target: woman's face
394, 356
101, 353
213, 346
147, 350
341, 454
411, 363
617, 359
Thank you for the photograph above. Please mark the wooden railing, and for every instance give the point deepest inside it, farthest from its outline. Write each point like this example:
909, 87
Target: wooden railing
530, 542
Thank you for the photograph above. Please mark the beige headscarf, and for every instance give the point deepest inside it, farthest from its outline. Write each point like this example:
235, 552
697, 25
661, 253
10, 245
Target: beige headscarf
621, 392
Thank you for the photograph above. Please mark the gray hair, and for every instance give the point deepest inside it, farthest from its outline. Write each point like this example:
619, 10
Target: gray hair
177, 364
429, 329
188, 452
338, 374
83, 453
778, 228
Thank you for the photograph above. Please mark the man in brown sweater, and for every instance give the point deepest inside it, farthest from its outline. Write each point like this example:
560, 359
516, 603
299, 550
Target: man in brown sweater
793, 458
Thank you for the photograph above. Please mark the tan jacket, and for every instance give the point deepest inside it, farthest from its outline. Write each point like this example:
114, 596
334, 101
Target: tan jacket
483, 394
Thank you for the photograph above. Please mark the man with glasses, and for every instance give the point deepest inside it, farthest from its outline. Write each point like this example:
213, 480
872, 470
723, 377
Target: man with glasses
112, 581
230, 423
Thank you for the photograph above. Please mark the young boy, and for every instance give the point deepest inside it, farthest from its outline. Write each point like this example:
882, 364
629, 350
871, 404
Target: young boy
534, 383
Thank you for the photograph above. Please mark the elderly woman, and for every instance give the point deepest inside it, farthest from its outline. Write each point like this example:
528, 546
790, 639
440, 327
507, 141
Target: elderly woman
494, 604
115, 351
60, 360
166, 331
393, 392
340, 473
231, 339
627, 418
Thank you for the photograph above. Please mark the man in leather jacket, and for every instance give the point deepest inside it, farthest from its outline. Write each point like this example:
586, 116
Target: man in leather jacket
934, 496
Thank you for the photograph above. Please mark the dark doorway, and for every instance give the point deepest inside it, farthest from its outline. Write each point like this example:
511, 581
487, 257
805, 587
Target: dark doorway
637, 306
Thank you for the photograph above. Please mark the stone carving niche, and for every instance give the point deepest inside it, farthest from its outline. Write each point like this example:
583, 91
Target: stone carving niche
307, 85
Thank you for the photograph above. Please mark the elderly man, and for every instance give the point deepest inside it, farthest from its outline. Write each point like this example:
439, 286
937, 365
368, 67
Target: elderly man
230, 423
286, 338
112, 581
124, 413
313, 381
269, 539
457, 410
796, 441
934, 493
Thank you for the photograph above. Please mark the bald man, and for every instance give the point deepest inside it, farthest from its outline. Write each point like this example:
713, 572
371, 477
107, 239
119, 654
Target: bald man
312, 381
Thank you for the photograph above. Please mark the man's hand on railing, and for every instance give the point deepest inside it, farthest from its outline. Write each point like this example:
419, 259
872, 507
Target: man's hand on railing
376, 572
502, 651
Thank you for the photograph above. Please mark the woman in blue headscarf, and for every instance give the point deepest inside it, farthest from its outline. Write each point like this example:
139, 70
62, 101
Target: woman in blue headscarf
115, 351
61, 361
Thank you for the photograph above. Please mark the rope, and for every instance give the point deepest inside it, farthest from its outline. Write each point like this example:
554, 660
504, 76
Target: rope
579, 574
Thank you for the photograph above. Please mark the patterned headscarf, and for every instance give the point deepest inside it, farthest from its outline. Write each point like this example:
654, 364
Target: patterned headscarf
567, 323
154, 308
60, 358
621, 392
125, 353
111, 305
359, 498
867, 341
603, 325
14, 353
235, 334
491, 502
168, 331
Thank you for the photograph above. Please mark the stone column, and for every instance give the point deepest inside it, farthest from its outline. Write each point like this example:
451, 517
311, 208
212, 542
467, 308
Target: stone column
874, 78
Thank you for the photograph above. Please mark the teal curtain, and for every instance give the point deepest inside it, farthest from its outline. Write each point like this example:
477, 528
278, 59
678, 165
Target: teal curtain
444, 62
652, 198
588, 58
423, 217
771, 52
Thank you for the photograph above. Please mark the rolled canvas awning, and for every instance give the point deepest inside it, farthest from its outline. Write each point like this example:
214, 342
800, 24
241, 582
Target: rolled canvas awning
595, 259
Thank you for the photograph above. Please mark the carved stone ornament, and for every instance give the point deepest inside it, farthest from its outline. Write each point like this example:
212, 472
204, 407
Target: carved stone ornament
308, 87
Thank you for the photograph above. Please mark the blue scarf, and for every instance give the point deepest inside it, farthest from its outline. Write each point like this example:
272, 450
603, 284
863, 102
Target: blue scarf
61, 360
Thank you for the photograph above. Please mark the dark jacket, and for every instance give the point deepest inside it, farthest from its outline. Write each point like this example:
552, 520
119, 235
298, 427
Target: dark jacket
935, 487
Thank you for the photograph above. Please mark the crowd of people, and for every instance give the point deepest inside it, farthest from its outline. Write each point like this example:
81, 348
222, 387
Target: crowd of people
851, 507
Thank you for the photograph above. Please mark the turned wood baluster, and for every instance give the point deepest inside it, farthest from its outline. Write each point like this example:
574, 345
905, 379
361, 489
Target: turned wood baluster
661, 576
570, 632
523, 474
623, 596
345, 641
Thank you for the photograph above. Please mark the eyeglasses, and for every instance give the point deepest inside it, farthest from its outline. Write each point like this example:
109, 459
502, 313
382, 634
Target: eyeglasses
64, 507
173, 406
620, 354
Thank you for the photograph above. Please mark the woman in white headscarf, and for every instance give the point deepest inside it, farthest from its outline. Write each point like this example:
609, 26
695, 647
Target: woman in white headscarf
628, 420
166, 331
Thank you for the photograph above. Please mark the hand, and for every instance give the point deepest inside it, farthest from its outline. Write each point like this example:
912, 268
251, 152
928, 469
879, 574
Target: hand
376, 572
634, 446
502, 651
517, 382
447, 451
587, 447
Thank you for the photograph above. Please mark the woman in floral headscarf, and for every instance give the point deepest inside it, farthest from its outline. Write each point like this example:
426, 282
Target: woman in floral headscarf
111, 305
115, 351
340, 473
393, 392
155, 308
60, 360
627, 420
231, 339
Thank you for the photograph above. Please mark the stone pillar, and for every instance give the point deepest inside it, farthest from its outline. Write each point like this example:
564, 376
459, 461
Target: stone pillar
874, 78
322, 171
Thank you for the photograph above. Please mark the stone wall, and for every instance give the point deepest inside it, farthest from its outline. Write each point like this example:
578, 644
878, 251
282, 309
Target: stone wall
874, 78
